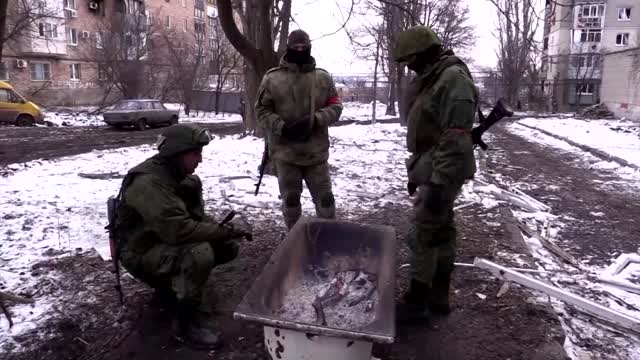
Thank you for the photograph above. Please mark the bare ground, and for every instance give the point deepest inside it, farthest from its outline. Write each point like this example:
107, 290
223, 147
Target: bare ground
20, 144
96, 327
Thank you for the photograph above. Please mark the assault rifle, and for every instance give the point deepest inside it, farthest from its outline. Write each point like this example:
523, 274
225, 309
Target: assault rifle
263, 166
497, 113
114, 246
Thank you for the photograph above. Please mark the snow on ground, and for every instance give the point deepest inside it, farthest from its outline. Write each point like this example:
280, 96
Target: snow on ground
362, 111
49, 210
615, 137
85, 116
583, 334
626, 174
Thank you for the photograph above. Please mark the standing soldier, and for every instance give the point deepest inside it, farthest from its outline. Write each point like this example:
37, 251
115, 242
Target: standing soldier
441, 102
164, 237
296, 104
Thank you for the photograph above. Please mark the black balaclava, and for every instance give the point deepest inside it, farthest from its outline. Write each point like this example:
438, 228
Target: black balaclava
425, 58
298, 37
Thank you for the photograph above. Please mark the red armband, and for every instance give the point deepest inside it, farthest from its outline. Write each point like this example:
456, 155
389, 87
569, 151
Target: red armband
333, 100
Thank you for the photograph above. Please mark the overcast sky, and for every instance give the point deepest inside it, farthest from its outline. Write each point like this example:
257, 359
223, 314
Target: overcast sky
334, 53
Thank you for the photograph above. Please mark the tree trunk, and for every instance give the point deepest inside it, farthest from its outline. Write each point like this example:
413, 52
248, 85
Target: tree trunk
393, 94
375, 82
400, 89
3, 23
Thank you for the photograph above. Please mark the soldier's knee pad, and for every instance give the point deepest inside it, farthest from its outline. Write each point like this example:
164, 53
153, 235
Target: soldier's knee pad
327, 200
201, 257
292, 199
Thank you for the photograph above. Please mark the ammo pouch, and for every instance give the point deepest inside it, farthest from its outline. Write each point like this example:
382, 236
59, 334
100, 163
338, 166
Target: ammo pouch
419, 168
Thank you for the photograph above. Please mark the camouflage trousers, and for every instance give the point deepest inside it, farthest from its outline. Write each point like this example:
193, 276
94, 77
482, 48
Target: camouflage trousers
181, 268
432, 237
290, 177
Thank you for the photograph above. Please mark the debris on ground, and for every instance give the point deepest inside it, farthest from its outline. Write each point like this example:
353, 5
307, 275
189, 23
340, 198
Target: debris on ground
597, 111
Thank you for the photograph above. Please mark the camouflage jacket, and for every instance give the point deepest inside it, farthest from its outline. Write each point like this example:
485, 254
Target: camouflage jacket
284, 96
162, 205
440, 109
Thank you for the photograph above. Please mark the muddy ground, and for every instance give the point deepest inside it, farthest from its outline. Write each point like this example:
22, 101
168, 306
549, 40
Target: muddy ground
20, 144
515, 326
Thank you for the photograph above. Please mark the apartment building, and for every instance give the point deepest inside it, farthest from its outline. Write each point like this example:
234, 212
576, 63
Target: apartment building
60, 60
577, 36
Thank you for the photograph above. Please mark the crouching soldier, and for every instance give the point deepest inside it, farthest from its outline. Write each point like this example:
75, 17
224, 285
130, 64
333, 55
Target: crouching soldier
165, 239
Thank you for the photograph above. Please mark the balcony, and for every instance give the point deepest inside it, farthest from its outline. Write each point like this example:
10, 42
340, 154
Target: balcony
44, 47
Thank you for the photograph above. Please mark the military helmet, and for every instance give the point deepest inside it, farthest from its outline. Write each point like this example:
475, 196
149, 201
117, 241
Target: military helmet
179, 138
414, 40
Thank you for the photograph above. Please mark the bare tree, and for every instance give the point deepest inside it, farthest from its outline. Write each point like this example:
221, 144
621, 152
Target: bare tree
585, 66
128, 52
517, 25
19, 20
224, 60
261, 21
186, 55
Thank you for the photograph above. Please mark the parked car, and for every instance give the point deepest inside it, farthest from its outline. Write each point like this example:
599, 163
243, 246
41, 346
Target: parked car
140, 113
15, 109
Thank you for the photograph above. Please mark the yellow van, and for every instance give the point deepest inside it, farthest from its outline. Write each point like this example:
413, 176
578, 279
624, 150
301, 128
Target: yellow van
14, 109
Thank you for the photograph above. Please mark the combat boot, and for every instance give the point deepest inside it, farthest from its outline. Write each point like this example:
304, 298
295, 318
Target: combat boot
413, 307
438, 301
191, 326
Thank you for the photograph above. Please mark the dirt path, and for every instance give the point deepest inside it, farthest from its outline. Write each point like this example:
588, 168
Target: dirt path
603, 210
18, 144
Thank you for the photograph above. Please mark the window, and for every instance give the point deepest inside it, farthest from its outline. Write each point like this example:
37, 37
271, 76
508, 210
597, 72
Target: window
146, 105
184, 3
99, 41
212, 44
624, 14
545, 43
102, 72
212, 2
72, 36
8, 96
212, 22
74, 70
591, 36
149, 15
158, 105
184, 25
70, 4
47, 30
199, 13
167, 22
4, 71
592, 10
622, 39
585, 89
40, 71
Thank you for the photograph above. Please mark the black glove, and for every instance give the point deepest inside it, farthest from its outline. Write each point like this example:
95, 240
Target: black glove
411, 188
434, 199
298, 130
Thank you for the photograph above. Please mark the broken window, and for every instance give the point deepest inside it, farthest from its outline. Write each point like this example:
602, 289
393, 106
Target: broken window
70, 4
591, 36
585, 89
622, 39
72, 36
624, 14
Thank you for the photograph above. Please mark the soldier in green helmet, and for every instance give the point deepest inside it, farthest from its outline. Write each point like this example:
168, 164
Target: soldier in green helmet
440, 106
296, 104
164, 238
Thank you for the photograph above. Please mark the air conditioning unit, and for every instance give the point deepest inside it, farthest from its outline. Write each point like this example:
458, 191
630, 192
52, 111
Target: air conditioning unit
93, 5
21, 63
86, 34
70, 13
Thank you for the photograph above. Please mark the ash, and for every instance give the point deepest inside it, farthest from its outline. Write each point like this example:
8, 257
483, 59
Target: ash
297, 307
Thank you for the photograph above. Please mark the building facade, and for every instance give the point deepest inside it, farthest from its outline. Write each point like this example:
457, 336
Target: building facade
621, 83
75, 50
577, 35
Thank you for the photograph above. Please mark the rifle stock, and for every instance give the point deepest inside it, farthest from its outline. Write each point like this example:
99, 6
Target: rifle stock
112, 207
498, 112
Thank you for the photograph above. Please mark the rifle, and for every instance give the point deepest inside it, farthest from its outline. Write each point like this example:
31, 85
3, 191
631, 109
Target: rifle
112, 207
263, 166
497, 113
